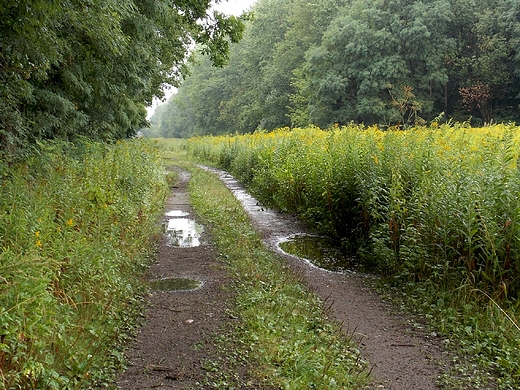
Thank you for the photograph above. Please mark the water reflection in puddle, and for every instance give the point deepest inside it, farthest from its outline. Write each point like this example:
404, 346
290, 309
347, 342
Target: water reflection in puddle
320, 251
176, 213
175, 284
183, 232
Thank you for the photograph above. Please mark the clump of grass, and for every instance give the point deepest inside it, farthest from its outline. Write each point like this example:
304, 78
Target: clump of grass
283, 329
470, 322
76, 228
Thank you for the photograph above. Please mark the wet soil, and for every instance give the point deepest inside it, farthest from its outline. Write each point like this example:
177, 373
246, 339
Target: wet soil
180, 326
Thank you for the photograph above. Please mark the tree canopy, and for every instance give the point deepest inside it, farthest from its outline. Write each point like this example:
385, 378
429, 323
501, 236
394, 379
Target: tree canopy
76, 67
387, 62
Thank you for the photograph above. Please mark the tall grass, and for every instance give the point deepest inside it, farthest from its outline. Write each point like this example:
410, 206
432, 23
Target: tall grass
439, 206
76, 222
424, 202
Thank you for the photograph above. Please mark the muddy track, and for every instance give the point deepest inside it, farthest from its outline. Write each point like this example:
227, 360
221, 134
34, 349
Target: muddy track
176, 338
401, 356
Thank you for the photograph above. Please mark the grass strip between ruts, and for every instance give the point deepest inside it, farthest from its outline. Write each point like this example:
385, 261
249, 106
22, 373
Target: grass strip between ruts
283, 331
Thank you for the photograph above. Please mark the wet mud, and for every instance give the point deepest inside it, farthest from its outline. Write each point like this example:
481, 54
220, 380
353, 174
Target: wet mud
186, 306
175, 284
320, 251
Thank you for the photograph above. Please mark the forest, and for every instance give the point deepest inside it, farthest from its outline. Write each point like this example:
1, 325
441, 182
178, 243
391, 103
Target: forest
79, 210
394, 63
72, 68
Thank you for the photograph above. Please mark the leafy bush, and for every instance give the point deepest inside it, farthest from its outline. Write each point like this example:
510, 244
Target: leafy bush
76, 227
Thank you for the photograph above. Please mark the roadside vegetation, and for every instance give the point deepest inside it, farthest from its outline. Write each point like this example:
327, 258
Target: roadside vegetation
77, 224
283, 335
435, 210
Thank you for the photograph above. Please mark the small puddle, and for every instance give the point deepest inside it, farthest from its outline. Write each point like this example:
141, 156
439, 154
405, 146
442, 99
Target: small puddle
183, 232
320, 251
175, 284
176, 213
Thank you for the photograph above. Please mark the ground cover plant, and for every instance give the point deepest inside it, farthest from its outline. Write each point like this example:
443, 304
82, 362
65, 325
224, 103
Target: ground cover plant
283, 332
435, 209
76, 228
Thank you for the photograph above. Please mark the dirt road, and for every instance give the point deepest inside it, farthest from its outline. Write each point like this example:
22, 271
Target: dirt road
176, 340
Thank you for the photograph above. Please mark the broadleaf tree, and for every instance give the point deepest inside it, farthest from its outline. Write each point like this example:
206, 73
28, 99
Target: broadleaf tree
388, 62
256, 88
72, 67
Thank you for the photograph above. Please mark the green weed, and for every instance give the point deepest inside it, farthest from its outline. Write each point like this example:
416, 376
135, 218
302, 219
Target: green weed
76, 227
435, 208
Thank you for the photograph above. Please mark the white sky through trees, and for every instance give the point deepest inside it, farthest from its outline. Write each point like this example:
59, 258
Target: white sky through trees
229, 7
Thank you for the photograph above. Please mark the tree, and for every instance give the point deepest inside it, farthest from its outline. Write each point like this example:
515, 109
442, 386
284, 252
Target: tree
256, 89
372, 50
387, 62
71, 67
483, 72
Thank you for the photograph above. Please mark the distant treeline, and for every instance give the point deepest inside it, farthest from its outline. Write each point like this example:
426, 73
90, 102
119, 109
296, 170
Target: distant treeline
386, 62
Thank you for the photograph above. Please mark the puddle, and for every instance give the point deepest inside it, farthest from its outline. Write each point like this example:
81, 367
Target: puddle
175, 284
176, 213
320, 251
183, 232
316, 250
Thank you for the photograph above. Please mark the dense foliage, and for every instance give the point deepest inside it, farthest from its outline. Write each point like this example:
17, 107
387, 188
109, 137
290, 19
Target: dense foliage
72, 67
422, 203
434, 208
386, 62
76, 230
